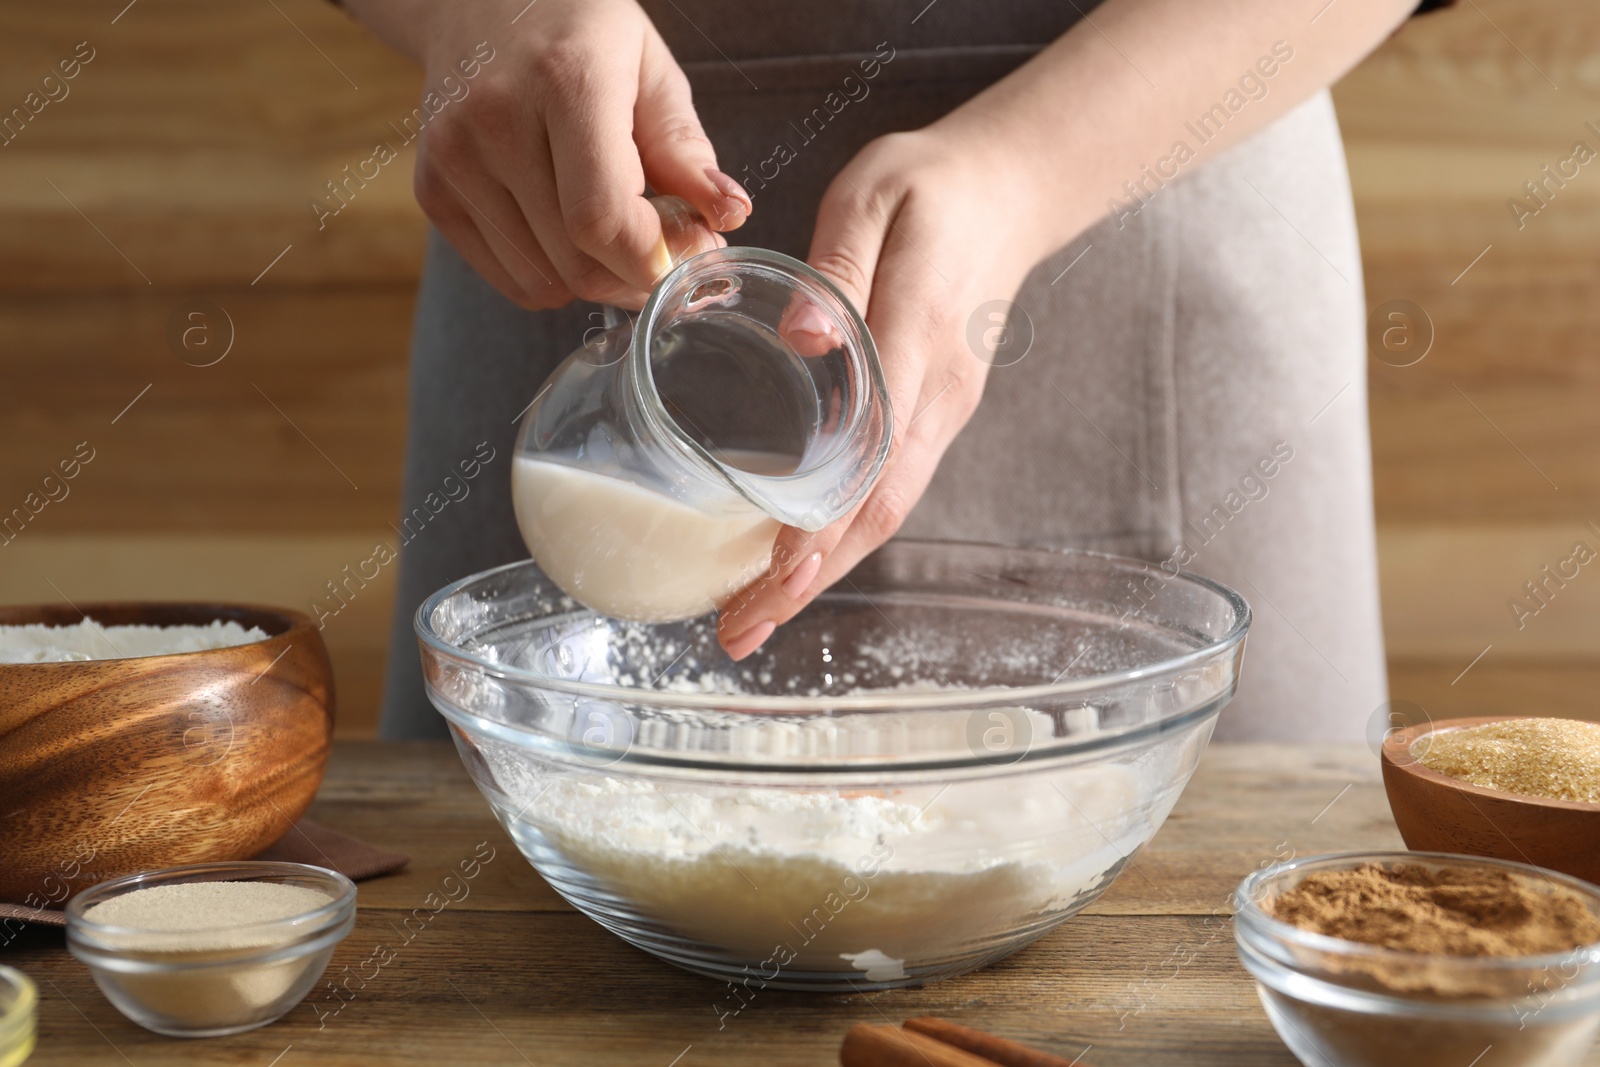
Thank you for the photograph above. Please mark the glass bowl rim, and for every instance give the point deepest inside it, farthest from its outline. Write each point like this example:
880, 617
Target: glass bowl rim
1250, 917
762, 706
314, 921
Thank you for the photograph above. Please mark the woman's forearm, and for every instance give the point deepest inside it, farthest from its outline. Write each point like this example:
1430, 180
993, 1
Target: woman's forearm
1141, 91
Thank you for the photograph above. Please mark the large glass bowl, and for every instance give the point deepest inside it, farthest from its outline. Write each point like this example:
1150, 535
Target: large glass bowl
944, 756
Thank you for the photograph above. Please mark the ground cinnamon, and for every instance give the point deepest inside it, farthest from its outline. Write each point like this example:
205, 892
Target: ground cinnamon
1436, 919
1449, 911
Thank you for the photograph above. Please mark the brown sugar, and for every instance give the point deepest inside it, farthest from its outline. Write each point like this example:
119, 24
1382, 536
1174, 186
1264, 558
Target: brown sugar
1451, 911
1554, 758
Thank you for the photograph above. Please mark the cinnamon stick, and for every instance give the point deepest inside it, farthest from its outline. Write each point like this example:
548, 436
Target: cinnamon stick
996, 1050
890, 1046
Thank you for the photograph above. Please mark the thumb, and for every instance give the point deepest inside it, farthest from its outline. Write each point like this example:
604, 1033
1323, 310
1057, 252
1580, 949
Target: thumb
845, 247
674, 150
849, 240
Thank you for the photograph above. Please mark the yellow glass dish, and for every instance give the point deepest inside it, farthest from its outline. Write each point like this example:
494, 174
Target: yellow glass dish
19, 1002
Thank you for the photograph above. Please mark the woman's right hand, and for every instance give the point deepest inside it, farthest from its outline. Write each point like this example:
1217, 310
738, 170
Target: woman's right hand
537, 176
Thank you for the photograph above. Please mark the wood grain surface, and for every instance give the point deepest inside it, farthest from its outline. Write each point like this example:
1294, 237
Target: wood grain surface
1443, 126
1561, 687
511, 974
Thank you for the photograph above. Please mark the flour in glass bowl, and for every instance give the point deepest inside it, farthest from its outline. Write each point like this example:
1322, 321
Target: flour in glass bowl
879, 883
848, 882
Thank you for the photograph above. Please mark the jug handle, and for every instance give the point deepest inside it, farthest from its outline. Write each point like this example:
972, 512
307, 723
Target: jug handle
686, 235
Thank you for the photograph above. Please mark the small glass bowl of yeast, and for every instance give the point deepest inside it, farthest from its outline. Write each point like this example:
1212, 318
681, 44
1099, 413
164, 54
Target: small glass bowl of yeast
214, 948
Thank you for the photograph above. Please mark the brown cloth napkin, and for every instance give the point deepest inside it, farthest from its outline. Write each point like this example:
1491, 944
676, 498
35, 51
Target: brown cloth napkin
307, 842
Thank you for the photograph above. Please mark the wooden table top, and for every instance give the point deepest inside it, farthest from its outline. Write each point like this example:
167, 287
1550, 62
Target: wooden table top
513, 975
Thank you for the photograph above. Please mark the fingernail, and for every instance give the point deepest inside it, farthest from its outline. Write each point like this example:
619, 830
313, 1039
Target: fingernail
808, 318
802, 577
730, 188
750, 640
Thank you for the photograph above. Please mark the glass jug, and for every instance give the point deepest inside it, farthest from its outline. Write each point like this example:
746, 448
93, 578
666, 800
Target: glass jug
655, 468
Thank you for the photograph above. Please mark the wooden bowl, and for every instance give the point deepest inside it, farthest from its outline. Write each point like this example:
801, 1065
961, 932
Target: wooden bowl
1437, 813
113, 766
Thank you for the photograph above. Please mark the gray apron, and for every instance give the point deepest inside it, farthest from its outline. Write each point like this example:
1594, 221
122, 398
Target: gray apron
1194, 390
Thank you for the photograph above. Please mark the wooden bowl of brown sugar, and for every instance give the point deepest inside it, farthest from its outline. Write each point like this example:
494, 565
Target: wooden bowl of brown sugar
1437, 812
120, 764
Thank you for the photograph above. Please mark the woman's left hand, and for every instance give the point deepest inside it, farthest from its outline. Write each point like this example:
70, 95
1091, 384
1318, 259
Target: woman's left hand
921, 230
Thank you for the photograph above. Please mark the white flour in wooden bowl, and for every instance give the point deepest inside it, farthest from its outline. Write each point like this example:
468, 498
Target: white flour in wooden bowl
88, 640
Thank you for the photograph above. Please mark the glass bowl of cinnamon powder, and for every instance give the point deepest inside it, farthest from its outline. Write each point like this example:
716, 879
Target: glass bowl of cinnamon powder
1423, 959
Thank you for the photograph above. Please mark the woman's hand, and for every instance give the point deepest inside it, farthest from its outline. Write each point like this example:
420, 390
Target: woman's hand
538, 175
920, 230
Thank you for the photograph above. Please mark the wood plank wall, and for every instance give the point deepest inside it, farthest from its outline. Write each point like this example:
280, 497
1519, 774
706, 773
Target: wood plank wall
1487, 452
175, 177
192, 143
